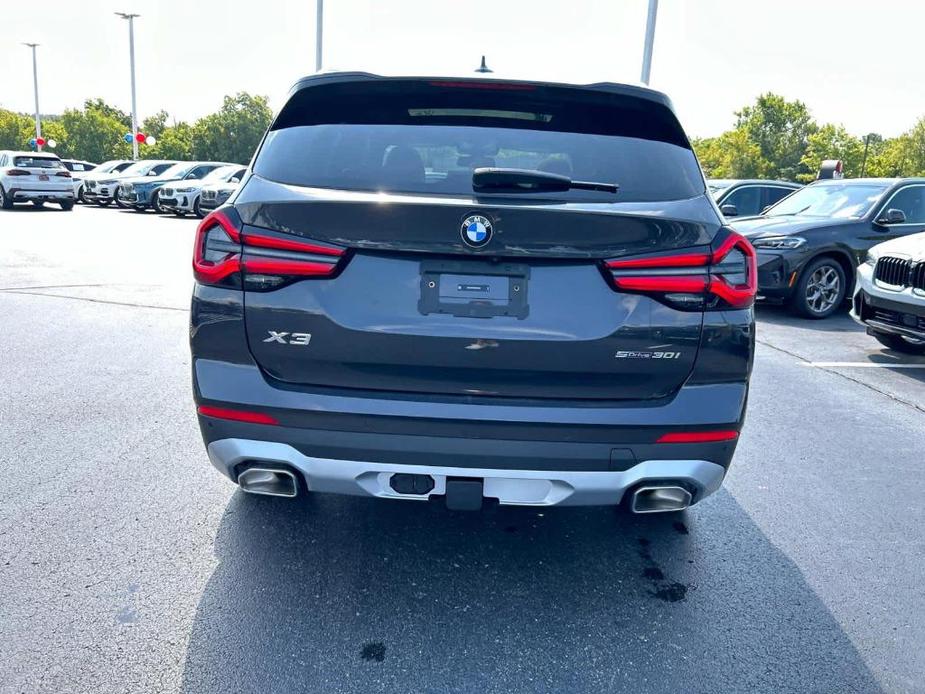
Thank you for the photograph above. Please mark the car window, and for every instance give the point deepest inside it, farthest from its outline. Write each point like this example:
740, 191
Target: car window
160, 168
38, 162
199, 172
239, 174
911, 200
406, 136
122, 166
839, 200
774, 193
746, 199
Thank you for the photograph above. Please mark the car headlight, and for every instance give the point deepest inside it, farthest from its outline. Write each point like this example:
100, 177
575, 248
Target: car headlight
871, 259
778, 242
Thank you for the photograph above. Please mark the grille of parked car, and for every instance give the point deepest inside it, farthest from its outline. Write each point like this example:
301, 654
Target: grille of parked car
893, 271
918, 276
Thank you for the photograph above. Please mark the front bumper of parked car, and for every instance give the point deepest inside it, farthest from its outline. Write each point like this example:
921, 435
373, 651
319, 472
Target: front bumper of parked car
893, 311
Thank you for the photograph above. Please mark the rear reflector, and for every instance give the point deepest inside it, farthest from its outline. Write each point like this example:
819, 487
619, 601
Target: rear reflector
697, 436
237, 415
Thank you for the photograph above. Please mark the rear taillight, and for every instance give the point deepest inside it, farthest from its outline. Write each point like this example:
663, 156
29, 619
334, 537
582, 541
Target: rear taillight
64, 174
227, 254
722, 277
17, 172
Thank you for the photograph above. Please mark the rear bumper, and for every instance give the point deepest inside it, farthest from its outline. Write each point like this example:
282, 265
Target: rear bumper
24, 195
509, 487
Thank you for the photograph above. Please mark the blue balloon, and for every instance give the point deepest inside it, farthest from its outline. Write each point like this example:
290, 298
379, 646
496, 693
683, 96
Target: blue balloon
128, 138
32, 142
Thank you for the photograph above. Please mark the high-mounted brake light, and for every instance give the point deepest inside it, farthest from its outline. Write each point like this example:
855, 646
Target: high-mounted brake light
725, 277
226, 255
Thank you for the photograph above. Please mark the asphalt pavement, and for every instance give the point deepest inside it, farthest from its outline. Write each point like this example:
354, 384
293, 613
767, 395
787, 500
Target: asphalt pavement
128, 564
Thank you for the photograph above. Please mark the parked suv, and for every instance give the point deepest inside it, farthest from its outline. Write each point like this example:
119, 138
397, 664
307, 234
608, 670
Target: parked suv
36, 177
101, 188
473, 289
144, 192
185, 197
810, 243
889, 299
97, 173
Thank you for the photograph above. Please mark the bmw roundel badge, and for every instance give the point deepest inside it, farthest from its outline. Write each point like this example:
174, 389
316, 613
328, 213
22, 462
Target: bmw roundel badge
476, 230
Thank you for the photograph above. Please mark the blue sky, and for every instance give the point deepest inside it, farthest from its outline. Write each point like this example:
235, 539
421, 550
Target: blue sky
854, 62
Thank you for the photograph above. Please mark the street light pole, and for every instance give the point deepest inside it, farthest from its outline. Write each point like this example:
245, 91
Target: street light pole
131, 50
35, 84
650, 42
319, 32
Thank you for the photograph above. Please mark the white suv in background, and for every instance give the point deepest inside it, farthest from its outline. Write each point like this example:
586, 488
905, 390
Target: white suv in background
36, 177
185, 196
889, 298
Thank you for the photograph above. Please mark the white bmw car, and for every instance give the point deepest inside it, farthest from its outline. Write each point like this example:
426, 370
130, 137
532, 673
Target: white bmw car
183, 197
889, 298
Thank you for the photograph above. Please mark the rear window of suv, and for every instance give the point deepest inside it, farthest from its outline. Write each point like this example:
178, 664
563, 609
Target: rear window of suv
412, 136
38, 162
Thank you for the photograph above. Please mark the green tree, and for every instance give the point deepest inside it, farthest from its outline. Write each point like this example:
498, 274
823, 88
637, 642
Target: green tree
781, 129
15, 130
832, 142
731, 155
94, 134
110, 111
154, 126
232, 133
174, 142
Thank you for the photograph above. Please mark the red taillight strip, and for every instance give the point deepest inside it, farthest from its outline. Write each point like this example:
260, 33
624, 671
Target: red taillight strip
686, 260
289, 245
17, 172
237, 415
663, 284
697, 436
206, 271
270, 266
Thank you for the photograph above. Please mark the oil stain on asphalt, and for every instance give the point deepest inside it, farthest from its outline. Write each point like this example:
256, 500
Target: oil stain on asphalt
669, 591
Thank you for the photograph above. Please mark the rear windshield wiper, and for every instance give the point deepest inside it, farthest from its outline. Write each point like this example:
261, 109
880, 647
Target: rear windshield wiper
531, 181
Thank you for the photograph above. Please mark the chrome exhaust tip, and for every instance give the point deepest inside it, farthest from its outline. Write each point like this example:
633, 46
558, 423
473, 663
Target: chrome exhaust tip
268, 482
660, 499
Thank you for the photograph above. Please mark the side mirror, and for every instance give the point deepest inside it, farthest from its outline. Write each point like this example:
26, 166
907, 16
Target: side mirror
729, 210
235, 179
892, 216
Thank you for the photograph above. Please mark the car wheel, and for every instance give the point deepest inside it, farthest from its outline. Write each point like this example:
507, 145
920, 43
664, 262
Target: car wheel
67, 205
6, 202
38, 203
80, 197
198, 210
820, 290
156, 204
900, 343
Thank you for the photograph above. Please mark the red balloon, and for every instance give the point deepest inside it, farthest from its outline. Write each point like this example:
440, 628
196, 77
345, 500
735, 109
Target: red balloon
140, 137
40, 141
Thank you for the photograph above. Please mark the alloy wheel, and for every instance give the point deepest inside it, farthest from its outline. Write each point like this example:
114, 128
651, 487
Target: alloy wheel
823, 289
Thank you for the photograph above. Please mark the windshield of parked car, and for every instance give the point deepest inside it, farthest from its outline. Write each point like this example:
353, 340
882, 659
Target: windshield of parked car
140, 168
38, 162
221, 173
839, 200
178, 170
424, 138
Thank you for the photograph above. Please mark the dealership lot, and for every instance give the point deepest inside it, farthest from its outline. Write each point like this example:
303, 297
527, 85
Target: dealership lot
131, 565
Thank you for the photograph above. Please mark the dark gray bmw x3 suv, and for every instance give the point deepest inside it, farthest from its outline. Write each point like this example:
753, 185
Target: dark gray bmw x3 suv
475, 289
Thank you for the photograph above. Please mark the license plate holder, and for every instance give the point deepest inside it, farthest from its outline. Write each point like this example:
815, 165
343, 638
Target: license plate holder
43, 177
474, 289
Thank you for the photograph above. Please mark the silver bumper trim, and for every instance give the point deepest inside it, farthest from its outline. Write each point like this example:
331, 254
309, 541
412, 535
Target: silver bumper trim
510, 487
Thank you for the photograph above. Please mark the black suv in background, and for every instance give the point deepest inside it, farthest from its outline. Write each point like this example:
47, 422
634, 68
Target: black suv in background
473, 289
748, 197
810, 244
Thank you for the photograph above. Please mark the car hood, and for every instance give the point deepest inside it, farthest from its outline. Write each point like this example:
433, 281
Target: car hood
912, 246
153, 180
782, 226
100, 176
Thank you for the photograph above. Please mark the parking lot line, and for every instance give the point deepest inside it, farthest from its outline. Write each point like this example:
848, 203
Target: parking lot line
862, 365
